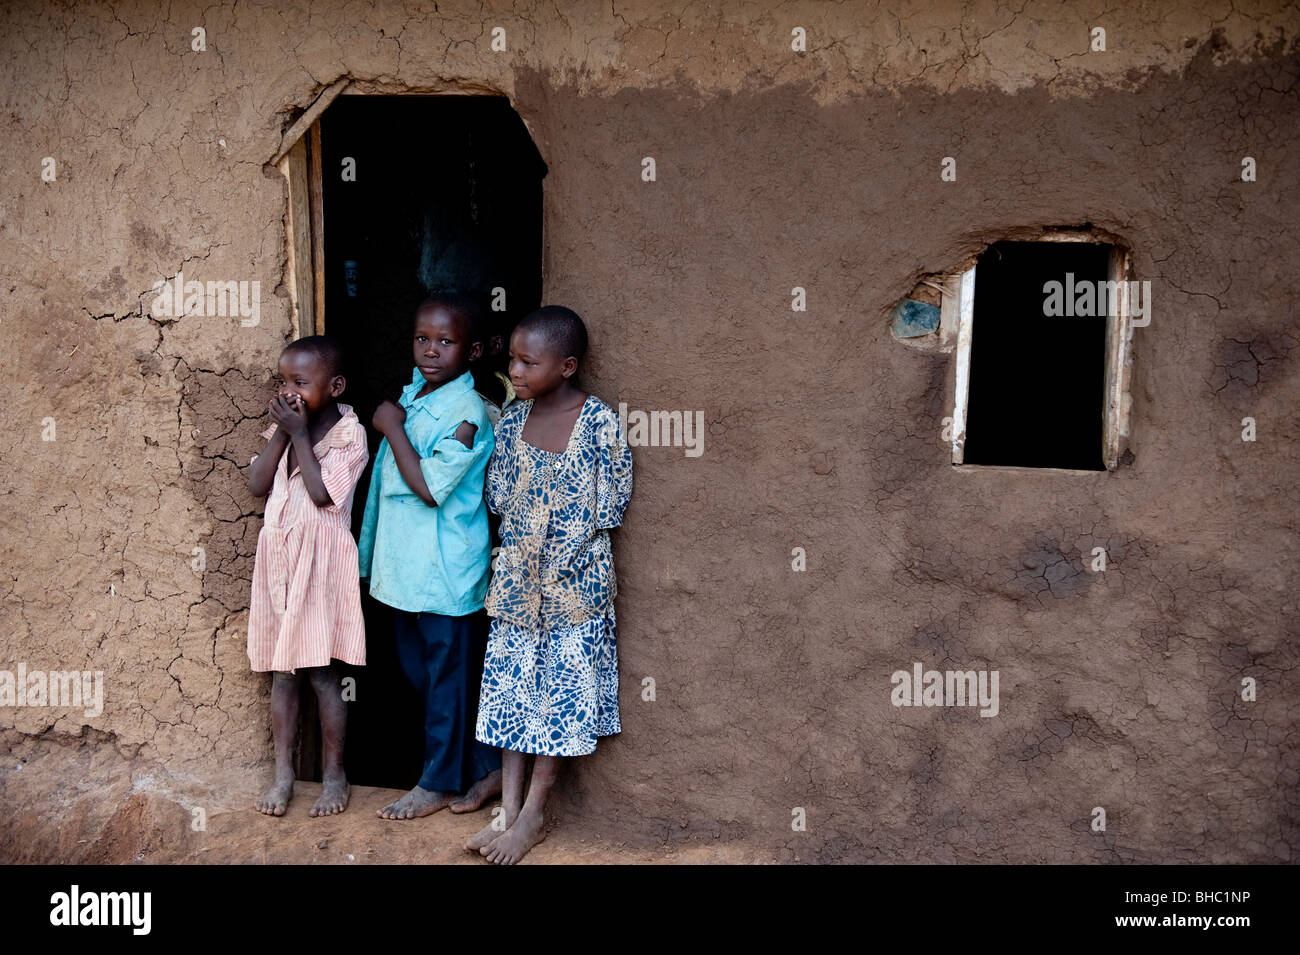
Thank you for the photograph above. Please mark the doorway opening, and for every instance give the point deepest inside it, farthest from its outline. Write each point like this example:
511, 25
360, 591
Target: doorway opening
410, 195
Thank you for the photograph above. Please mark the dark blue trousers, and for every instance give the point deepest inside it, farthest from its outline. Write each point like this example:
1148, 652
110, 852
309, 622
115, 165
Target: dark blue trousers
443, 658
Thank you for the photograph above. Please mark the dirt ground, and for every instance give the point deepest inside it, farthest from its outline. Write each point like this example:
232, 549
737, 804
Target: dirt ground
776, 169
140, 818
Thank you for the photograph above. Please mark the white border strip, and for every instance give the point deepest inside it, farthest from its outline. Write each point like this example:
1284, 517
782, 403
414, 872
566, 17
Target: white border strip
965, 328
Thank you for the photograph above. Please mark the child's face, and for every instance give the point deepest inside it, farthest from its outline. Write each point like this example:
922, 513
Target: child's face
535, 369
302, 375
442, 349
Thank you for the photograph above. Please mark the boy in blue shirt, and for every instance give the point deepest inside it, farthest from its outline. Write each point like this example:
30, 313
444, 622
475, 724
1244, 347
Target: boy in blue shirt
425, 547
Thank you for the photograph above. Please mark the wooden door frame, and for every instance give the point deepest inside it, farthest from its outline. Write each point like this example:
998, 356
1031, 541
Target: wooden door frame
300, 162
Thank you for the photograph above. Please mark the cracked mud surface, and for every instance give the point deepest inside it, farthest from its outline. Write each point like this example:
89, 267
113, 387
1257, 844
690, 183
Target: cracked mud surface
1119, 689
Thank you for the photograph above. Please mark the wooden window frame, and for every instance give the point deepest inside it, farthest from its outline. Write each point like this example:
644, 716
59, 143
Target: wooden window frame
957, 322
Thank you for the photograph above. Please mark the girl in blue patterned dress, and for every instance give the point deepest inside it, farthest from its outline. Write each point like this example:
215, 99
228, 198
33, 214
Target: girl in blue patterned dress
560, 477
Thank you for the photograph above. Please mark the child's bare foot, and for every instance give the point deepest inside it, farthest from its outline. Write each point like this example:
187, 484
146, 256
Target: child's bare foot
333, 797
481, 838
418, 802
513, 844
501, 821
478, 794
277, 797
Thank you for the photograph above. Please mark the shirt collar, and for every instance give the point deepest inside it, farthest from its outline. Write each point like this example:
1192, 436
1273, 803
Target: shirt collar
431, 401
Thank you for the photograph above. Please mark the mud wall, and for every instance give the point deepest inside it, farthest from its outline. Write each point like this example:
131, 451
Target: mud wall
774, 169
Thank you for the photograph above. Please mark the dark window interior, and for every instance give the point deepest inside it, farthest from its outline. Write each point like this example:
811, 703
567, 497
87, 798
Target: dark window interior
447, 197
1036, 381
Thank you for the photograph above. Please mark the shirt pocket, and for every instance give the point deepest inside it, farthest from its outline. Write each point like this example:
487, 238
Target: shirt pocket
394, 485
411, 548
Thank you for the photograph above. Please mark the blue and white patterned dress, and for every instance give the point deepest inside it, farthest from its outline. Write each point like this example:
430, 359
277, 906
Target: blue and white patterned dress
550, 679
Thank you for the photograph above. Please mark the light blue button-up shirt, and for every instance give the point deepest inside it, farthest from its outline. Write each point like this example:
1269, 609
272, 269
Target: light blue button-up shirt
431, 559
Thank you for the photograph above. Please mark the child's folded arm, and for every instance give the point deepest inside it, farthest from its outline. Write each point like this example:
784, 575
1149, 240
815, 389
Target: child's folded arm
309, 469
410, 465
261, 470
494, 483
613, 483
450, 462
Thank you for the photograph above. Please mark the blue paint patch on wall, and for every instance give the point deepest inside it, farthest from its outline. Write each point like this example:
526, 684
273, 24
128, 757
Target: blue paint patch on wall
912, 319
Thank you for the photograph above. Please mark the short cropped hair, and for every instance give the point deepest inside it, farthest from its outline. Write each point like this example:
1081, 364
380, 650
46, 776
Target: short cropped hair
561, 329
326, 349
468, 307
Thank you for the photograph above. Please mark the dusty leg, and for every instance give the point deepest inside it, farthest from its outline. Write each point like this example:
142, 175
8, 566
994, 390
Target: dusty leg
284, 727
512, 801
424, 649
529, 827
333, 726
478, 794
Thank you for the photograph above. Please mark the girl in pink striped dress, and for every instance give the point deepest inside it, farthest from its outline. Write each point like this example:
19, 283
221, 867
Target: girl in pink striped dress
306, 605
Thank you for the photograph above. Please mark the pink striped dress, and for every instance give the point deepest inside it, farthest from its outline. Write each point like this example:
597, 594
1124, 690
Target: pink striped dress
306, 606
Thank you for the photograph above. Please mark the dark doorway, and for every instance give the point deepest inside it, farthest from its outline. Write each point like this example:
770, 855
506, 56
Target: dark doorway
1036, 380
447, 197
